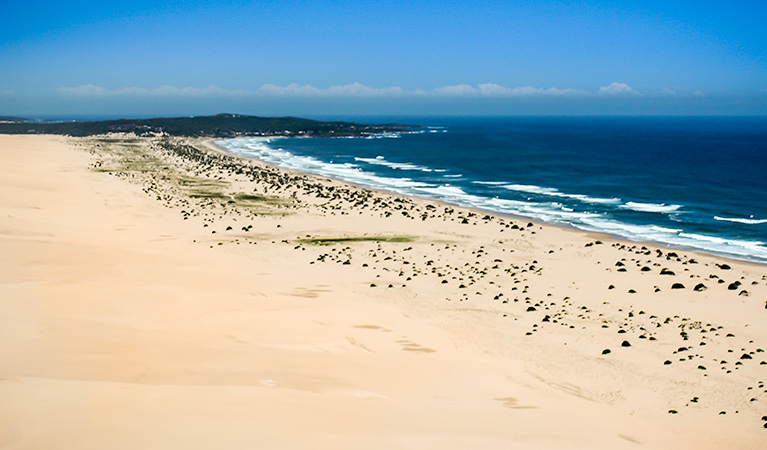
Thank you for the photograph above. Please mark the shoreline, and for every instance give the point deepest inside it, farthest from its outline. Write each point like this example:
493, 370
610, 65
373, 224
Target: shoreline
163, 293
566, 226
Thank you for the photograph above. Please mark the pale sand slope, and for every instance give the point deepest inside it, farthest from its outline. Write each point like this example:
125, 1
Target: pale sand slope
124, 324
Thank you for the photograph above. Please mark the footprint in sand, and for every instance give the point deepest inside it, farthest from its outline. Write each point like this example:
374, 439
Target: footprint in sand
372, 327
513, 403
307, 292
410, 346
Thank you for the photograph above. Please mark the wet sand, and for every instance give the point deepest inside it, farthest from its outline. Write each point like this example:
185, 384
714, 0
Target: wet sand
163, 294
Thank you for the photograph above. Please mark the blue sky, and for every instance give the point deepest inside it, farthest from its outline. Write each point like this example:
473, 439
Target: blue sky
385, 57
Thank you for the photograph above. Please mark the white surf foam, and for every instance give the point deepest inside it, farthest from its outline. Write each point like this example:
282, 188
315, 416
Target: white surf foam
380, 161
490, 183
750, 221
738, 248
597, 200
530, 189
450, 194
552, 192
551, 212
257, 148
650, 207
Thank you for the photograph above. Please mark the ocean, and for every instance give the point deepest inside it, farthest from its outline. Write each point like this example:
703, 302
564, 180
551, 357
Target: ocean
696, 183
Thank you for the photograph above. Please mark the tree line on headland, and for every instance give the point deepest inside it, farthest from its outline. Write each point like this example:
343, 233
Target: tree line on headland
220, 125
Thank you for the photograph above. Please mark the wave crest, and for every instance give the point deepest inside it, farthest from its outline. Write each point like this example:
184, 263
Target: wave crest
380, 161
650, 207
750, 221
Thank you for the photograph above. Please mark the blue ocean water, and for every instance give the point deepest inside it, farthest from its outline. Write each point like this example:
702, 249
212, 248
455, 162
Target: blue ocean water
686, 182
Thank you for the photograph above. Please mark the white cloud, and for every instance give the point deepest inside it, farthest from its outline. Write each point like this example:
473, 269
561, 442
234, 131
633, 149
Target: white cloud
349, 90
354, 90
211, 90
491, 89
698, 94
90, 90
525, 91
7, 92
291, 89
617, 89
361, 89
668, 92
459, 89
84, 90
496, 90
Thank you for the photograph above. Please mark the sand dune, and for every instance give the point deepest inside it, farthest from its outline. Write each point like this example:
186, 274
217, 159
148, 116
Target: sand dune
162, 294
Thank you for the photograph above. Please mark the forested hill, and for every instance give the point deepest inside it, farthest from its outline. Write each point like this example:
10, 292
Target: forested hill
220, 125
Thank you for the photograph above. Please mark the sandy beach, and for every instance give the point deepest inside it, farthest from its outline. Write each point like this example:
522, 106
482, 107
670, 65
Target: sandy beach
158, 293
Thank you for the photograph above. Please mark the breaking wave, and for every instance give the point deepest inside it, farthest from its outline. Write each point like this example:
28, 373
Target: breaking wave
750, 221
609, 215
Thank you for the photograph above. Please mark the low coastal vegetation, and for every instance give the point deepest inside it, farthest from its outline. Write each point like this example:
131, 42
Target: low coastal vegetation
341, 240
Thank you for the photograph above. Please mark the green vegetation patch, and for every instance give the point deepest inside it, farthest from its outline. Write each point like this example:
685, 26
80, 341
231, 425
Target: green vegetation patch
127, 156
209, 194
105, 169
332, 241
143, 165
252, 198
197, 187
201, 183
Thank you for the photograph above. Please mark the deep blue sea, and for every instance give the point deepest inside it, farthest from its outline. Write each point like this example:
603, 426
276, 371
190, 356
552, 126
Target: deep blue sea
686, 182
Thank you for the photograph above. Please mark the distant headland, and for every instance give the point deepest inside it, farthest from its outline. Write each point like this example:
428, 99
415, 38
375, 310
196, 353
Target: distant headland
219, 125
